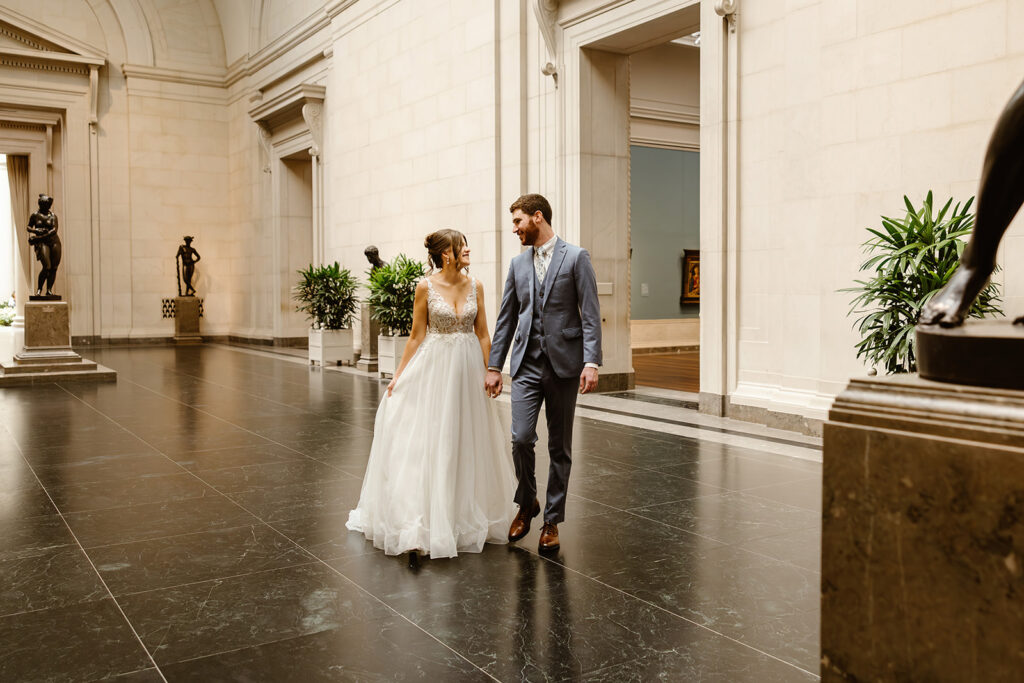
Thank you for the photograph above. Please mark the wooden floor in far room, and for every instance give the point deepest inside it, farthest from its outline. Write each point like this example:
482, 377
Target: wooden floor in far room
678, 371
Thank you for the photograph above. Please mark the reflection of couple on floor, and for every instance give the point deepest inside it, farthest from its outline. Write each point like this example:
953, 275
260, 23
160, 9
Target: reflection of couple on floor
439, 479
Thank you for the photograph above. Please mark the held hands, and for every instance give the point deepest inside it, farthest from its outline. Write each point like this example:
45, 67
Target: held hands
493, 383
588, 380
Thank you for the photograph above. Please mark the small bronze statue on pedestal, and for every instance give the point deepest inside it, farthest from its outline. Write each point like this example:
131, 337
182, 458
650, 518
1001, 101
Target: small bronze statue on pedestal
42, 228
186, 260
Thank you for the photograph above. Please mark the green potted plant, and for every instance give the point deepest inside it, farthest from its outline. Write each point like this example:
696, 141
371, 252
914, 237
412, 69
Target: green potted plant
910, 260
327, 295
392, 295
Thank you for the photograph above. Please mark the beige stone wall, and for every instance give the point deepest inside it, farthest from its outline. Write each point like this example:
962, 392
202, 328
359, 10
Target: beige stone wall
845, 107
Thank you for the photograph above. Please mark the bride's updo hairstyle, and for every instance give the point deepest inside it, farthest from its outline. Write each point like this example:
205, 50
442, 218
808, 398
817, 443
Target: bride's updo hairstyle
437, 243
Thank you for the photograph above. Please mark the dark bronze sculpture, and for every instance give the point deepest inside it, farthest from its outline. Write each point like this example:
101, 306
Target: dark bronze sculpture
373, 256
186, 260
42, 228
999, 197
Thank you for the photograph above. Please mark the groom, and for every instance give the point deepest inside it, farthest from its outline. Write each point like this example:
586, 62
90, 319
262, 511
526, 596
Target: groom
550, 316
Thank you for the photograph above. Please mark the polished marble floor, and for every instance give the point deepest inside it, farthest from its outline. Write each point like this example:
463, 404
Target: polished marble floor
187, 523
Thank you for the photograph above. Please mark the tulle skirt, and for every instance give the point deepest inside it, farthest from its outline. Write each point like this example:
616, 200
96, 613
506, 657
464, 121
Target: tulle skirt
440, 478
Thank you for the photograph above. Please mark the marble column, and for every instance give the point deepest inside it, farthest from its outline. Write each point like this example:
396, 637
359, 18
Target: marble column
922, 570
369, 331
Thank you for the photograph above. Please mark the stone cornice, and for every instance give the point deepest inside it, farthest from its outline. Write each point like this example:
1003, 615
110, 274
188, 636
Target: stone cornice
287, 106
48, 61
40, 37
211, 78
657, 111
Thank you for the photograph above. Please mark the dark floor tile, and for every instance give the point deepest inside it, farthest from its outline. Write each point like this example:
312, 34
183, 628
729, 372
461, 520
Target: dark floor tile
291, 473
274, 503
802, 547
29, 536
54, 578
29, 501
723, 661
15, 473
206, 618
156, 520
185, 441
387, 650
143, 676
732, 517
236, 456
102, 467
82, 642
735, 473
638, 488
325, 536
127, 492
166, 562
127, 445
805, 493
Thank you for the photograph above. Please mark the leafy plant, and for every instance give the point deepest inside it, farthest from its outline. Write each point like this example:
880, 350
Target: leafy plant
393, 292
911, 260
327, 295
7, 312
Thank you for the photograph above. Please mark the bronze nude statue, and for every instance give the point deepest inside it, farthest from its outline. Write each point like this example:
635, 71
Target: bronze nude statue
999, 197
186, 260
42, 228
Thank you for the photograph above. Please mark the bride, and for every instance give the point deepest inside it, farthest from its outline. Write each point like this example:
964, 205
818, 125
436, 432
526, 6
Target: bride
439, 480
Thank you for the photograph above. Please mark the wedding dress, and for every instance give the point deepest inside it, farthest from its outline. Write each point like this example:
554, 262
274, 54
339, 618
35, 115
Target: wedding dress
439, 479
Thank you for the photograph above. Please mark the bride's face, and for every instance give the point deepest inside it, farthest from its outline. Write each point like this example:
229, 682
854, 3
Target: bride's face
464, 256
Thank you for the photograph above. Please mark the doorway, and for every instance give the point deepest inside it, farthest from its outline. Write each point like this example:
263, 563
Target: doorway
294, 242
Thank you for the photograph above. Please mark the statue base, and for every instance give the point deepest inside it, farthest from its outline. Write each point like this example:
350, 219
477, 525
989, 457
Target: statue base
369, 330
47, 355
44, 297
982, 353
186, 320
922, 563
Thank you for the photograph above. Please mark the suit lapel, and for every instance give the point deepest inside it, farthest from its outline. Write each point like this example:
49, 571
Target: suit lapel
557, 256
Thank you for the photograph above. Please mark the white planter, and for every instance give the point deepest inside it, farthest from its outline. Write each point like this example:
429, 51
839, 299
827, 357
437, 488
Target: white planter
389, 354
331, 347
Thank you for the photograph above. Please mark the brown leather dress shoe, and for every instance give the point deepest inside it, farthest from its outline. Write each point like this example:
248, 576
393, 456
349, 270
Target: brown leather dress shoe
548, 537
521, 524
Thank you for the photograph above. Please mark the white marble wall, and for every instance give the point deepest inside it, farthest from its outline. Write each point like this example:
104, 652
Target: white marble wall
845, 106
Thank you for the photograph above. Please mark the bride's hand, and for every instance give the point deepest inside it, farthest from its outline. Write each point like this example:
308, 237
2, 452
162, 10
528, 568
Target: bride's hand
392, 384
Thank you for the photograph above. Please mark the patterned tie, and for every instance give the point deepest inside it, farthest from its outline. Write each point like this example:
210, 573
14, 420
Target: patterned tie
541, 264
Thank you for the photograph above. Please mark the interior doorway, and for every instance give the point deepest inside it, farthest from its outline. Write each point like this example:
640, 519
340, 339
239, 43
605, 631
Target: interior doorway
639, 181
665, 214
294, 241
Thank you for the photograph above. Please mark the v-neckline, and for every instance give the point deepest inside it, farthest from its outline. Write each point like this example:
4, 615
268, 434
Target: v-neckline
454, 308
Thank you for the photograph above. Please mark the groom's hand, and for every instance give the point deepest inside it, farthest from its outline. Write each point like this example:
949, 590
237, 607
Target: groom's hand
492, 383
588, 380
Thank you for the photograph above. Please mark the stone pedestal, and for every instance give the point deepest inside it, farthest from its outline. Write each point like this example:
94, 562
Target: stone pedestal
47, 355
369, 331
922, 568
186, 320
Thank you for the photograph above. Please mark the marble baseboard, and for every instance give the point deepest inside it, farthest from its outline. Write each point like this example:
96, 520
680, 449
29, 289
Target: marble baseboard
923, 533
648, 350
720, 406
615, 381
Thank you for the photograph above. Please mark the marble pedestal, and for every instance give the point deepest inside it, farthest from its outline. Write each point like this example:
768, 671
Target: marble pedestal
186, 320
369, 331
922, 570
47, 355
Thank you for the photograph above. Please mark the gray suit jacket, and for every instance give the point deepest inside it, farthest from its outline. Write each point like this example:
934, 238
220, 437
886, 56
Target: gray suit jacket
571, 314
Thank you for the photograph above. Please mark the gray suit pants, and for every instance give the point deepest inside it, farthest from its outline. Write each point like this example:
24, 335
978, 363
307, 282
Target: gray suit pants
537, 383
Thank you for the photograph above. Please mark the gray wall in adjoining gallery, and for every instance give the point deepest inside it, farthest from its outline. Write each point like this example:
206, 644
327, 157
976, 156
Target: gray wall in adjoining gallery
664, 220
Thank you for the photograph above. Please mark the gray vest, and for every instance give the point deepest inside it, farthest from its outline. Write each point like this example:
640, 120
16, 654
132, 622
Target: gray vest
537, 344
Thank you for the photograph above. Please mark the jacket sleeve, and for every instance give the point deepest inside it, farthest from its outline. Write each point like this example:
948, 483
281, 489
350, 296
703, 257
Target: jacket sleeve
506, 323
590, 309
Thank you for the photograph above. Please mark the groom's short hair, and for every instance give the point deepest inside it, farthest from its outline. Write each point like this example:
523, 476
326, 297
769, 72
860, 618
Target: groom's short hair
531, 204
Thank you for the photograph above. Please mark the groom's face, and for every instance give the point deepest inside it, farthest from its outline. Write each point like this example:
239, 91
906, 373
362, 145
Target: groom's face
526, 227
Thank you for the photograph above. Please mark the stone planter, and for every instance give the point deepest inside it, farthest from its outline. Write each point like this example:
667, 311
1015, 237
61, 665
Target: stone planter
331, 347
389, 354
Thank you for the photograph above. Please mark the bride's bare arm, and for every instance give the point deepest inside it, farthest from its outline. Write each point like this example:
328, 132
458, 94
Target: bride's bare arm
480, 324
419, 331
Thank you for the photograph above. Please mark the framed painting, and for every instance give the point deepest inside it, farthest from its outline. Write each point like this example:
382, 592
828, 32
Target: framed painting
691, 277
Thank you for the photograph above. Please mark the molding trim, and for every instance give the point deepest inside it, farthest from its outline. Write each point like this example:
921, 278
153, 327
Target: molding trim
48, 61
212, 79
658, 111
776, 398
662, 143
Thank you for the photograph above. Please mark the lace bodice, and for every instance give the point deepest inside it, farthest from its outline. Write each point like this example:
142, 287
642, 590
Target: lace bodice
442, 318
